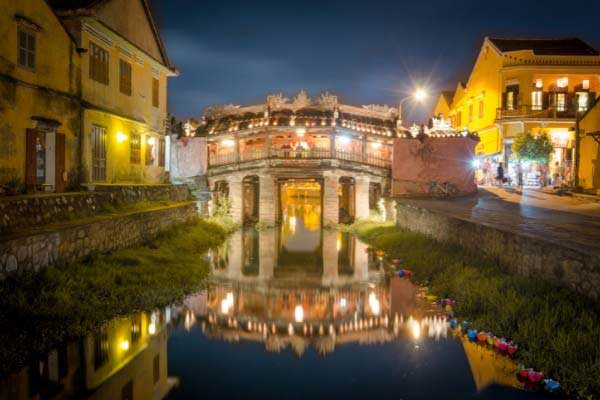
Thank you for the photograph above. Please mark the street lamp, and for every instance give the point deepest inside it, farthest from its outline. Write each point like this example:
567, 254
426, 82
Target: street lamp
419, 96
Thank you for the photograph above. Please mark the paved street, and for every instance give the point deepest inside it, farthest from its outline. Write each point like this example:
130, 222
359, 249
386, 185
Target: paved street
571, 221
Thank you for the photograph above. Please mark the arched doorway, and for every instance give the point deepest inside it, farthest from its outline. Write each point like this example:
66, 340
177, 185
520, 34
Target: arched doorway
250, 199
346, 194
374, 195
220, 203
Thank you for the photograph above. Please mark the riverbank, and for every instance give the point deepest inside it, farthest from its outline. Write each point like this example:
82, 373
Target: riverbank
39, 310
558, 331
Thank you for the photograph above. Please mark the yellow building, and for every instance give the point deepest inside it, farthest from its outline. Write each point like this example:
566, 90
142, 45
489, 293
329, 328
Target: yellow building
519, 85
39, 99
589, 150
124, 71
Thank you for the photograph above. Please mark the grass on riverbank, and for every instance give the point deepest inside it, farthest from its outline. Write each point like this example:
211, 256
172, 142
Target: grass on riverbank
558, 332
40, 310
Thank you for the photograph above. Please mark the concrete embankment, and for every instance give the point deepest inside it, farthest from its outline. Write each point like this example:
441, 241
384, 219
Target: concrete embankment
518, 244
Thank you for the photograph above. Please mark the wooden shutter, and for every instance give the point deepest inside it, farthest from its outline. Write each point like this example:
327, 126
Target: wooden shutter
60, 163
545, 100
504, 101
591, 99
30, 159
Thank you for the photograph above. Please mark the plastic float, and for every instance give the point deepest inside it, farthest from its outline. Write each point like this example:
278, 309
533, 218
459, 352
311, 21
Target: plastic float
453, 323
535, 376
472, 335
379, 253
404, 273
482, 337
551, 386
397, 261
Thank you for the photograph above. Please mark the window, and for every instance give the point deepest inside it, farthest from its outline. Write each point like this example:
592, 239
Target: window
536, 100
470, 112
156, 374
101, 348
161, 152
480, 109
98, 153
125, 77
511, 97
26, 45
154, 92
561, 102
135, 147
98, 64
150, 150
582, 101
510, 100
136, 328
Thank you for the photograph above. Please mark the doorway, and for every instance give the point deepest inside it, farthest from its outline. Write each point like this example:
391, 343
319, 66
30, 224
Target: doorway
45, 160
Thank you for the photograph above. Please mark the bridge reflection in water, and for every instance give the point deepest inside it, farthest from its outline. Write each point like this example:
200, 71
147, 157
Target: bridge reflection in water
295, 290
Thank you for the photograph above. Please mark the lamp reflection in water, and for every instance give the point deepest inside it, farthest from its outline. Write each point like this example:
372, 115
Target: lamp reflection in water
227, 303
299, 313
374, 304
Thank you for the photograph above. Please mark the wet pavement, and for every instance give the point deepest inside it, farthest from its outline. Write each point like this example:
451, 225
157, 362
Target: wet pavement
570, 221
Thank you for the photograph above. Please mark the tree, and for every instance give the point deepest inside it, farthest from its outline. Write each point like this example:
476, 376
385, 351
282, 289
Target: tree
527, 147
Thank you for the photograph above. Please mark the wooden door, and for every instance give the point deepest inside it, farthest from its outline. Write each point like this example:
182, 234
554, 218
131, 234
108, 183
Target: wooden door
30, 159
60, 183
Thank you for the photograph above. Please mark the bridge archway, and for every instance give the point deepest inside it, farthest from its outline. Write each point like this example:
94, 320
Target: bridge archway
347, 199
250, 199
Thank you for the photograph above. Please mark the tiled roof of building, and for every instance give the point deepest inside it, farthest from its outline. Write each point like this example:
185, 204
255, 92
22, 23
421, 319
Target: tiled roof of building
549, 47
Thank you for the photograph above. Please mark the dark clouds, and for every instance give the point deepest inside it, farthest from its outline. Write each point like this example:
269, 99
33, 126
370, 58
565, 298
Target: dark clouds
364, 51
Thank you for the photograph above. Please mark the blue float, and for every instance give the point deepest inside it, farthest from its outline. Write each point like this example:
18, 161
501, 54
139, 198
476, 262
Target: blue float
465, 324
472, 335
551, 385
453, 323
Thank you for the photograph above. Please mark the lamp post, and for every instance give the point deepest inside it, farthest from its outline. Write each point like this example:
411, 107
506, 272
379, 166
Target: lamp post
419, 95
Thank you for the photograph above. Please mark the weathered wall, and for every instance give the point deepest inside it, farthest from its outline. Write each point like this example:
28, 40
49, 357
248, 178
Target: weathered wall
23, 212
75, 241
589, 151
417, 163
520, 254
188, 157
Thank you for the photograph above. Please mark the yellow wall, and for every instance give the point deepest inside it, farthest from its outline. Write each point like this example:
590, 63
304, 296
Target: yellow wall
118, 110
483, 86
49, 91
119, 168
441, 107
589, 151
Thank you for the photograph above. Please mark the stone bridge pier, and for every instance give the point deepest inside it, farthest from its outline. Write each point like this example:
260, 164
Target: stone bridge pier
255, 196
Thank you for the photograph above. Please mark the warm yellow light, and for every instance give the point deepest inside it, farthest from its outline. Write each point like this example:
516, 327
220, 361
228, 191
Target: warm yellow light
416, 329
374, 304
124, 345
376, 145
562, 82
152, 328
227, 303
420, 95
300, 131
228, 142
121, 137
299, 313
150, 141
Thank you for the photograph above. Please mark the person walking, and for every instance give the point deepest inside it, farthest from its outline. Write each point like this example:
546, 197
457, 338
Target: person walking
500, 174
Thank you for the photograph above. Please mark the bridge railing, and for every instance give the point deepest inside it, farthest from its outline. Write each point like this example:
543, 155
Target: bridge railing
315, 153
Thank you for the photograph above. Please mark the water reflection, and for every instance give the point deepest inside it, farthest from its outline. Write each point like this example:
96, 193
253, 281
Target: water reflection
296, 312
126, 359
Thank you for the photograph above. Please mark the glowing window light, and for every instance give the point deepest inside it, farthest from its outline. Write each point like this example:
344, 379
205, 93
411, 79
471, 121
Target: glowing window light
152, 325
121, 137
585, 84
562, 82
299, 313
539, 83
374, 304
124, 345
343, 302
150, 141
415, 329
228, 142
376, 145
227, 303
300, 132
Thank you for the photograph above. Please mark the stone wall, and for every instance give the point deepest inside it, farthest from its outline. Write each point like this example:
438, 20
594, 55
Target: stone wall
23, 212
517, 253
74, 241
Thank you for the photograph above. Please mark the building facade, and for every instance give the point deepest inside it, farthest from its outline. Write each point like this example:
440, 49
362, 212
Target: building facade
531, 85
124, 72
589, 150
39, 100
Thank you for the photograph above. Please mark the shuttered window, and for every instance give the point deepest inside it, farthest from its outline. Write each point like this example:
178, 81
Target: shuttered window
150, 150
135, 147
98, 64
26, 48
536, 100
161, 152
155, 92
125, 77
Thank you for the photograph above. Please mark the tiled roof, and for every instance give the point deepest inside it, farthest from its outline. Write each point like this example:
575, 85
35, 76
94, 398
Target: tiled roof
550, 47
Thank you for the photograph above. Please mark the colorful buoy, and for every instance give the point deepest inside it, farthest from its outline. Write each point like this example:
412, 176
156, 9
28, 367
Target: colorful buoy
397, 261
490, 339
472, 335
524, 372
535, 376
453, 323
482, 337
379, 253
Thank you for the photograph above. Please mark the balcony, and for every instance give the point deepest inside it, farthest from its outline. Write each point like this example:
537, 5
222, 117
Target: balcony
529, 112
215, 160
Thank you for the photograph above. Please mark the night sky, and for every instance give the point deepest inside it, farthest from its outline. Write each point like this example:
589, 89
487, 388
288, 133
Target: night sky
363, 51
